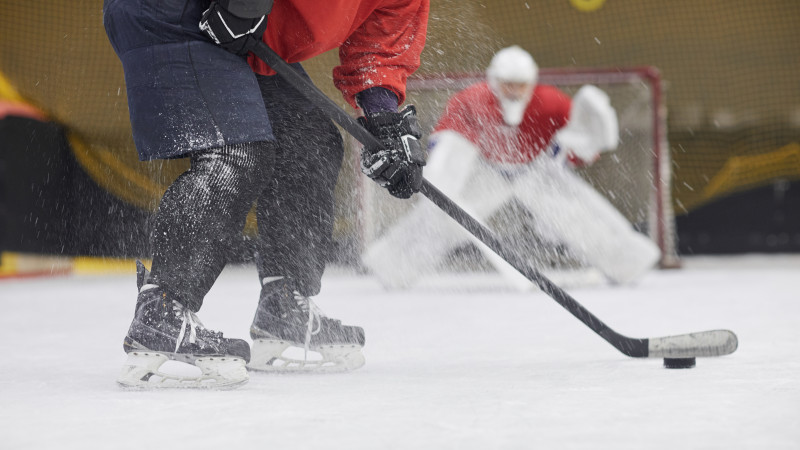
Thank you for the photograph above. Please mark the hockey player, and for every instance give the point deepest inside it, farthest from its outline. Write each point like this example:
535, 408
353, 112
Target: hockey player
195, 91
511, 138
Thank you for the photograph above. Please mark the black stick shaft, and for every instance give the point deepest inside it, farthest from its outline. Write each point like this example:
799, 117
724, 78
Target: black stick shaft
626, 345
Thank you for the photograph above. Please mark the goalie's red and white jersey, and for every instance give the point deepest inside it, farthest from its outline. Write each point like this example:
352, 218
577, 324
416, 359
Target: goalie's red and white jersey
476, 114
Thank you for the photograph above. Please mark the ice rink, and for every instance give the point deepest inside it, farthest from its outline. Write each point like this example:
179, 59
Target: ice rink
458, 364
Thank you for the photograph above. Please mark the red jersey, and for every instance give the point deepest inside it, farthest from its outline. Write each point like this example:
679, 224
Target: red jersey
379, 41
475, 113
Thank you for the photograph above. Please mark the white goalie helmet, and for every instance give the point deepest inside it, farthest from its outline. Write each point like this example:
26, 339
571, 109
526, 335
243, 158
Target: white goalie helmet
512, 75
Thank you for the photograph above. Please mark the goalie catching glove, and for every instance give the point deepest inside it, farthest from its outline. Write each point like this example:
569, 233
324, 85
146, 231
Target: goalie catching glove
592, 128
236, 25
397, 163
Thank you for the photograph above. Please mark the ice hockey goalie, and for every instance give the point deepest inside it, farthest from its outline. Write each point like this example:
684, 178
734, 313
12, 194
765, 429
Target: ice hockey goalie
509, 138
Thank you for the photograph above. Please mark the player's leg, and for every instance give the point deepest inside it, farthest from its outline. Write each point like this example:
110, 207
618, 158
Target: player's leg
295, 215
200, 217
568, 210
296, 207
188, 98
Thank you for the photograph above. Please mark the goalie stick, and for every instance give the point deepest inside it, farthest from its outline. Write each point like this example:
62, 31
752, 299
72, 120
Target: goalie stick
702, 344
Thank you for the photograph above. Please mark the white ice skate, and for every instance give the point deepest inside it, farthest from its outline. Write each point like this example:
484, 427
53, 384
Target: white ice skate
275, 355
290, 334
152, 370
168, 347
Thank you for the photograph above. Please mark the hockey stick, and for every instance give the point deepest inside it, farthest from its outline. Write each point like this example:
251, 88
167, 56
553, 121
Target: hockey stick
705, 343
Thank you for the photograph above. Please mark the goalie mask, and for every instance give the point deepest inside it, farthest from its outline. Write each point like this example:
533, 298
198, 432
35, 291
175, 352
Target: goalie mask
512, 75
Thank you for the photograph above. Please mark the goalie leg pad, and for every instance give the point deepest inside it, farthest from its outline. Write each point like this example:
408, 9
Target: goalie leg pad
270, 355
418, 243
570, 211
413, 247
143, 370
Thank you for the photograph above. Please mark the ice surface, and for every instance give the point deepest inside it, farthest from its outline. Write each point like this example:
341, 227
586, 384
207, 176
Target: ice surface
464, 364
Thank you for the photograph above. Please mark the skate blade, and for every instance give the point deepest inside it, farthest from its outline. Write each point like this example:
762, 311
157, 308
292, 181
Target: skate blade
143, 370
271, 356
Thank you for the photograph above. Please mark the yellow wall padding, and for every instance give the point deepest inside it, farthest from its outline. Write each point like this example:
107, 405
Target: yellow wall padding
746, 172
7, 91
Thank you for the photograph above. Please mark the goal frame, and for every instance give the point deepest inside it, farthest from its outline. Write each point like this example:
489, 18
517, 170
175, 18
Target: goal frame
661, 220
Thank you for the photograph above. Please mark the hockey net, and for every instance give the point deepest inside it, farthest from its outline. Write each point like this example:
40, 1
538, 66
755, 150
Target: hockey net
635, 178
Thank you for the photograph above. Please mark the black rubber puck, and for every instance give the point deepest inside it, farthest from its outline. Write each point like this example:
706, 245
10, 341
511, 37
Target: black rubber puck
680, 363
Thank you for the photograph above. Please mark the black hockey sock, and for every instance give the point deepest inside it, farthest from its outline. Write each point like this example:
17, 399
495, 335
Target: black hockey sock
296, 209
202, 215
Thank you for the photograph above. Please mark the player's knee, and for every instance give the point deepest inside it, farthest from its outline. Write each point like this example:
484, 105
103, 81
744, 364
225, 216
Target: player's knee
238, 166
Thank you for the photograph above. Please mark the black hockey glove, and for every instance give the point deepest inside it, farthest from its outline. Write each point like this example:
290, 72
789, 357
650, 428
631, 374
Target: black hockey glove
397, 165
236, 25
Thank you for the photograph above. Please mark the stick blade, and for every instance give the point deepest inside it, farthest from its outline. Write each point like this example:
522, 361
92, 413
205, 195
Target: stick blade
703, 344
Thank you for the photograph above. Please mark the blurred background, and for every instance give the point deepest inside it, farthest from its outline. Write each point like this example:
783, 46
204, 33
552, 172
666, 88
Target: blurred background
72, 188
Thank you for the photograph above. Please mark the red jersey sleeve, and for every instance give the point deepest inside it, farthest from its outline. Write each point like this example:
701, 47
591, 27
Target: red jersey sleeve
384, 50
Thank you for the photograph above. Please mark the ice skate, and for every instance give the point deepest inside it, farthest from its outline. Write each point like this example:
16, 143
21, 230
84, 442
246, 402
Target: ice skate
163, 330
290, 334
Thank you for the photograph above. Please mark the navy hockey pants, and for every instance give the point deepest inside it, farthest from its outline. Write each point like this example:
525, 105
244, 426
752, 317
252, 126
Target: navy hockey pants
184, 92
187, 95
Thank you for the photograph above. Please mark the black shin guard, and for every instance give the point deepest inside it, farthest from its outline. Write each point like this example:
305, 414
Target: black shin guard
202, 215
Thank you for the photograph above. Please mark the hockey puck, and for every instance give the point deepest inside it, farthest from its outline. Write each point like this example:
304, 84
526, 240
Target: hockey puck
679, 363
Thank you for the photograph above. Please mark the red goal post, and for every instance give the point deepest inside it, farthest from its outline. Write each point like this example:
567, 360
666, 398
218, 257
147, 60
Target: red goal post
636, 178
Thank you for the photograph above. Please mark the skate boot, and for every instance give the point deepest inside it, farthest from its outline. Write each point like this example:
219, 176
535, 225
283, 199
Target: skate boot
162, 330
286, 322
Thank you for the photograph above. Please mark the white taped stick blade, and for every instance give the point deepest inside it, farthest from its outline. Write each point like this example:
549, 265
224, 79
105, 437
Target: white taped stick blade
702, 344
151, 370
279, 356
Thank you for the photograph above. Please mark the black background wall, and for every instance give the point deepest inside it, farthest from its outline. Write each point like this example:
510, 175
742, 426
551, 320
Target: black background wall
49, 205
763, 220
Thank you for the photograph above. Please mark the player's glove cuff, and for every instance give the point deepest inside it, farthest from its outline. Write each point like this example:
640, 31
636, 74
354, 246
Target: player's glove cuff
233, 33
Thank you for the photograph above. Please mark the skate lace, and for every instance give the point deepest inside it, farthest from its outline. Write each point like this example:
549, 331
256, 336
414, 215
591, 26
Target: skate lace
189, 320
315, 315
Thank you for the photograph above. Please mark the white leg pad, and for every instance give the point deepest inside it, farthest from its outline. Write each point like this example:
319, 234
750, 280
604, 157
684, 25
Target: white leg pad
414, 247
572, 212
418, 242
